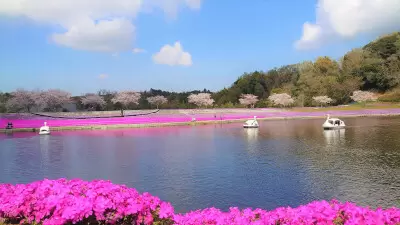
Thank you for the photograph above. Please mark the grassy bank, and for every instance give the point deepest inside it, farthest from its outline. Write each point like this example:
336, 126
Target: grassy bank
348, 107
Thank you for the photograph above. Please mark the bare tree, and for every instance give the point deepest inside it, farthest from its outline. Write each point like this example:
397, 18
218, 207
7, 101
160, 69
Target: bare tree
93, 101
125, 98
104, 92
248, 99
322, 100
201, 99
157, 100
281, 99
21, 100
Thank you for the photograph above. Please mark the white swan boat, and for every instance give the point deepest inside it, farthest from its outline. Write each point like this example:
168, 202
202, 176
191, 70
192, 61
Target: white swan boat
251, 123
333, 123
44, 129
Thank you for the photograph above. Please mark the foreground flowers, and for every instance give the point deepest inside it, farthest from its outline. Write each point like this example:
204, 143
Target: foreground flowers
63, 201
101, 202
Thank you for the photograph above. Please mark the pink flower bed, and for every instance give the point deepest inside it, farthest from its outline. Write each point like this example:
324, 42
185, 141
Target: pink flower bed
101, 202
180, 118
64, 201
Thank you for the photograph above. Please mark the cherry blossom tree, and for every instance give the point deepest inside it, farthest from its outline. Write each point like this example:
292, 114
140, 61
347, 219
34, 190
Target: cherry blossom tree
93, 101
201, 99
52, 99
22, 100
248, 99
322, 100
157, 100
125, 98
281, 99
363, 96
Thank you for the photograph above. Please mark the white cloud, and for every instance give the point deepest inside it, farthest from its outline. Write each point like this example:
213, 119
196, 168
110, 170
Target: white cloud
93, 25
173, 55
171, 7
138, 50
105, 36
103, 76
349, 18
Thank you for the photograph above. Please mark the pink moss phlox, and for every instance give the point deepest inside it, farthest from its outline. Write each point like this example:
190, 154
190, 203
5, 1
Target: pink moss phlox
71, 201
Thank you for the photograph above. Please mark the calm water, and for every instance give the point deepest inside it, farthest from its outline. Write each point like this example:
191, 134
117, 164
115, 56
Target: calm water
283, 163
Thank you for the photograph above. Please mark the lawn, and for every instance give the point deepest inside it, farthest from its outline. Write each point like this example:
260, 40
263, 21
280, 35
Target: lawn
347, 107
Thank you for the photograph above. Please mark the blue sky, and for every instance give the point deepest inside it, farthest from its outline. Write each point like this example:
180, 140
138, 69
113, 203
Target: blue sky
224, 39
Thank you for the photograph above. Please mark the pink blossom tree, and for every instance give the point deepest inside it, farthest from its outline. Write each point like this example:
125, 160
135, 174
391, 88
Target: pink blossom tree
157, 100
363, 97
125, 98
281, 99
201, 99
248, 99
22, 100
93, 101
322, 100
52, 99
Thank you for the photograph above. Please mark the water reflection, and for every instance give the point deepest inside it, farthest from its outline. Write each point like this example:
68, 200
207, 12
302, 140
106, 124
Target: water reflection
334, 137
288, 162
251, 134
44, 150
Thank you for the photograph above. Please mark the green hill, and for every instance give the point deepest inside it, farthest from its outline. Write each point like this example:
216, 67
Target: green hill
374, 67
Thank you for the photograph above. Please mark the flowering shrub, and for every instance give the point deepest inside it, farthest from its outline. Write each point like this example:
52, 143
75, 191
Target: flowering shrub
101, 202
63, 201
322, 212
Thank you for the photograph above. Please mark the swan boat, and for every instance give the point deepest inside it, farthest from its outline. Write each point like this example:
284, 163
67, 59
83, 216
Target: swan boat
251, 123
333, 123
44, 129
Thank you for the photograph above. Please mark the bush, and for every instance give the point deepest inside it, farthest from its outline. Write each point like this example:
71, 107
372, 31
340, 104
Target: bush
54, 202
393, 96
227, 105
101, 202
3, 109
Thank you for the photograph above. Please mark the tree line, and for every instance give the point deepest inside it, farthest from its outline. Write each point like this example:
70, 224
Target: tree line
362, 74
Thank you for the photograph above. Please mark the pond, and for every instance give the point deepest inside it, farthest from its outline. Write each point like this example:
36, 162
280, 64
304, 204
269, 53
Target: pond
284, 163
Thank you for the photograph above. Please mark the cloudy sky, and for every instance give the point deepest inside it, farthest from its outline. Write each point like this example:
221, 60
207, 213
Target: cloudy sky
86, 45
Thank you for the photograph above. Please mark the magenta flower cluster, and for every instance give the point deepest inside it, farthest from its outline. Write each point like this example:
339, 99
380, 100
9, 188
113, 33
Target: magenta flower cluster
319, 212
101, 202
53, 202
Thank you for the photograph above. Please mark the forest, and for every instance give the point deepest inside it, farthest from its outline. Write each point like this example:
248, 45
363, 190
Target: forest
374, 67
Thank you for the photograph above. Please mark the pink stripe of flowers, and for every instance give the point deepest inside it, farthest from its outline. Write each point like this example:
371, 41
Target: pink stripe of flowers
101, 202
36, 123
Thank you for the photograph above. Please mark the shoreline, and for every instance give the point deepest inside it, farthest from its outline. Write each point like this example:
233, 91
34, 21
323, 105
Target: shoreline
194, 123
